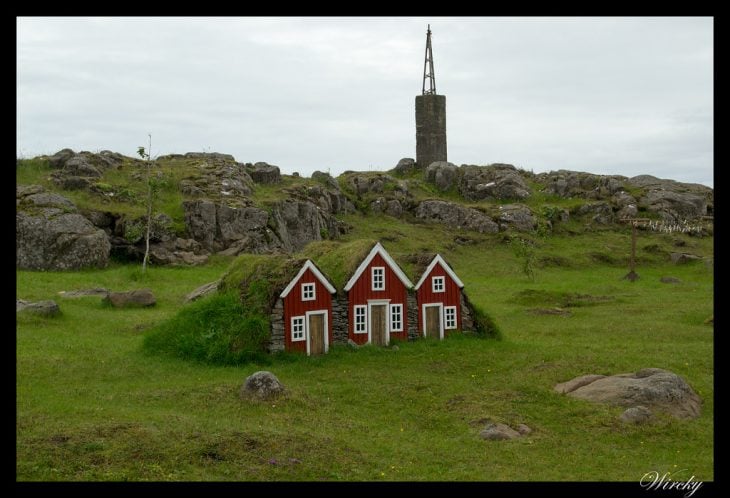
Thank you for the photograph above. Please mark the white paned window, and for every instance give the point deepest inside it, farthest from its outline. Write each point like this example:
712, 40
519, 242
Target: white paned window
360, 320
450, 317
396, 318
297, 328
437, 284
378, 278
308, 292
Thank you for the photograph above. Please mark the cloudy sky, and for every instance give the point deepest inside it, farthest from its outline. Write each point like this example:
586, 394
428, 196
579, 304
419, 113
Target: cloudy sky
621, 96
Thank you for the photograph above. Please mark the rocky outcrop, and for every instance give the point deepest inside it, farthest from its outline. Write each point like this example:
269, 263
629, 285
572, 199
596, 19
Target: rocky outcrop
80, 170
455, 216
264, 173
298, 223
52, 235
517, 217
652, 388
565, 183
262, 386
442, 174
493, 182
43, 308
202, 291
325, 179
675, 206
600, 213
330, 200
217, 177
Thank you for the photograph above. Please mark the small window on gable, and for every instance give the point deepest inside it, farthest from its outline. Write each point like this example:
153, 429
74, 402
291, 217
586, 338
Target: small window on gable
297, 328
450, 317
360, 320
396, 318
308, 293
378, 278
437, 284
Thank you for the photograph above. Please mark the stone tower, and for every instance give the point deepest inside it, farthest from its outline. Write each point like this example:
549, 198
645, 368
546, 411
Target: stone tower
430, 115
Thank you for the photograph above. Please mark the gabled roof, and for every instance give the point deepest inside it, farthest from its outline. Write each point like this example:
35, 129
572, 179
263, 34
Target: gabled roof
308, 265
440, 261
378, 249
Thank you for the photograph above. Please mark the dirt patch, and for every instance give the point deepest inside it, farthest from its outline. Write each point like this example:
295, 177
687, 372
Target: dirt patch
550, 299
548, 311
554, 261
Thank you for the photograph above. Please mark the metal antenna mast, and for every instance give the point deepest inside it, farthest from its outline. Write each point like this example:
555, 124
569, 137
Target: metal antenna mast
428, 72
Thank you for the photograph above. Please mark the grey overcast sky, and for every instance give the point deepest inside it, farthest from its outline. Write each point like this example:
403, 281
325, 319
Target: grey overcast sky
622, 96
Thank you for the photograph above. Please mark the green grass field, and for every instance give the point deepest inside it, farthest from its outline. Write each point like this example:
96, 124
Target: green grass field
91, 405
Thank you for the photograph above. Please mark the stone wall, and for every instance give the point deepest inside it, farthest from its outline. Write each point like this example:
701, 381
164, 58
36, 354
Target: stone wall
467, 314
430, 129
339, 318
276, 341
412, 316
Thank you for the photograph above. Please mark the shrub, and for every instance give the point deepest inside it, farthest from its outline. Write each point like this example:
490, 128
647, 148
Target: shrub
212, 330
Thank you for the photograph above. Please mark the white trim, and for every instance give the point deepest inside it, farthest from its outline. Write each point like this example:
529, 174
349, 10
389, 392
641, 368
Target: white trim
456, 321
308, 265
378, 249
379, 302
354, 319
314, 292
441, 314
372, 278
304, 329
326, 329
390, 317
440, 278
439, 260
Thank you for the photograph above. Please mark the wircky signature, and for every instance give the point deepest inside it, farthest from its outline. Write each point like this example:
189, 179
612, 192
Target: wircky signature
655, 481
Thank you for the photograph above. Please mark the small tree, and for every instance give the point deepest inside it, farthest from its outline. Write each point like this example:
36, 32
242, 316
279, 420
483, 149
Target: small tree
146, 156
525, 252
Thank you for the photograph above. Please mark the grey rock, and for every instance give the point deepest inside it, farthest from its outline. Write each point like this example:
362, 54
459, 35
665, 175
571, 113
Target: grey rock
202, 291
265, 173
676, 206
298, 223
442, 174
573, 384
262, 386
97, 291
493, 182
378, 205
405, 166
622, 199
670, 280
394, 208
140, 298
80, 166
636, 415
204, 155
516, 216
352, 344
498, 432
600, 212
47, 308
50, 235
523, 429
653, 388
456, 216
70, 182
326, 179
680, 258
58, 160
217, 226
565, 183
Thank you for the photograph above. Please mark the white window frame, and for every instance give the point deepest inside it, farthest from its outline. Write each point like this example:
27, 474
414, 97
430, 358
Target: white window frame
374, 269
442, 281
364, 315
302, 319
393, 308
306, 287
448, 309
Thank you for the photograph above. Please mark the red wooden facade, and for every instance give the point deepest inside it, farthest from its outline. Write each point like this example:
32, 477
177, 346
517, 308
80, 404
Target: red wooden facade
450, 297
296, 306
394, 296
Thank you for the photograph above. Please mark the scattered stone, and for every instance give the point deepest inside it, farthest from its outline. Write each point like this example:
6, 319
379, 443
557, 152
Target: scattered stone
498, 432
394, 347
202, 291
650, 387
135, 298
523, 429
405, 166
262, 386
636, 415
710, 320
670, 280
47, 308
679, 258
352, 344
97, 291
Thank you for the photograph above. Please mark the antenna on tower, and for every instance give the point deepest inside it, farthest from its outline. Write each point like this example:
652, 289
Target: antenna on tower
428, 72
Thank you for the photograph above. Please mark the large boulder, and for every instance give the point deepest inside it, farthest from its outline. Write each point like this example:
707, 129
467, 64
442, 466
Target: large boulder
218, 176
265, 173
405, 166
652, 388
262, 386
442, 174
676, 206
493, 182
517, 217
58, 160
455, 216
325, 179
51, 235
43, 308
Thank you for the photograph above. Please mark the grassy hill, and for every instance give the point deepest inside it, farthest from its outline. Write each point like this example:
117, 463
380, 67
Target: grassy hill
93, 405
